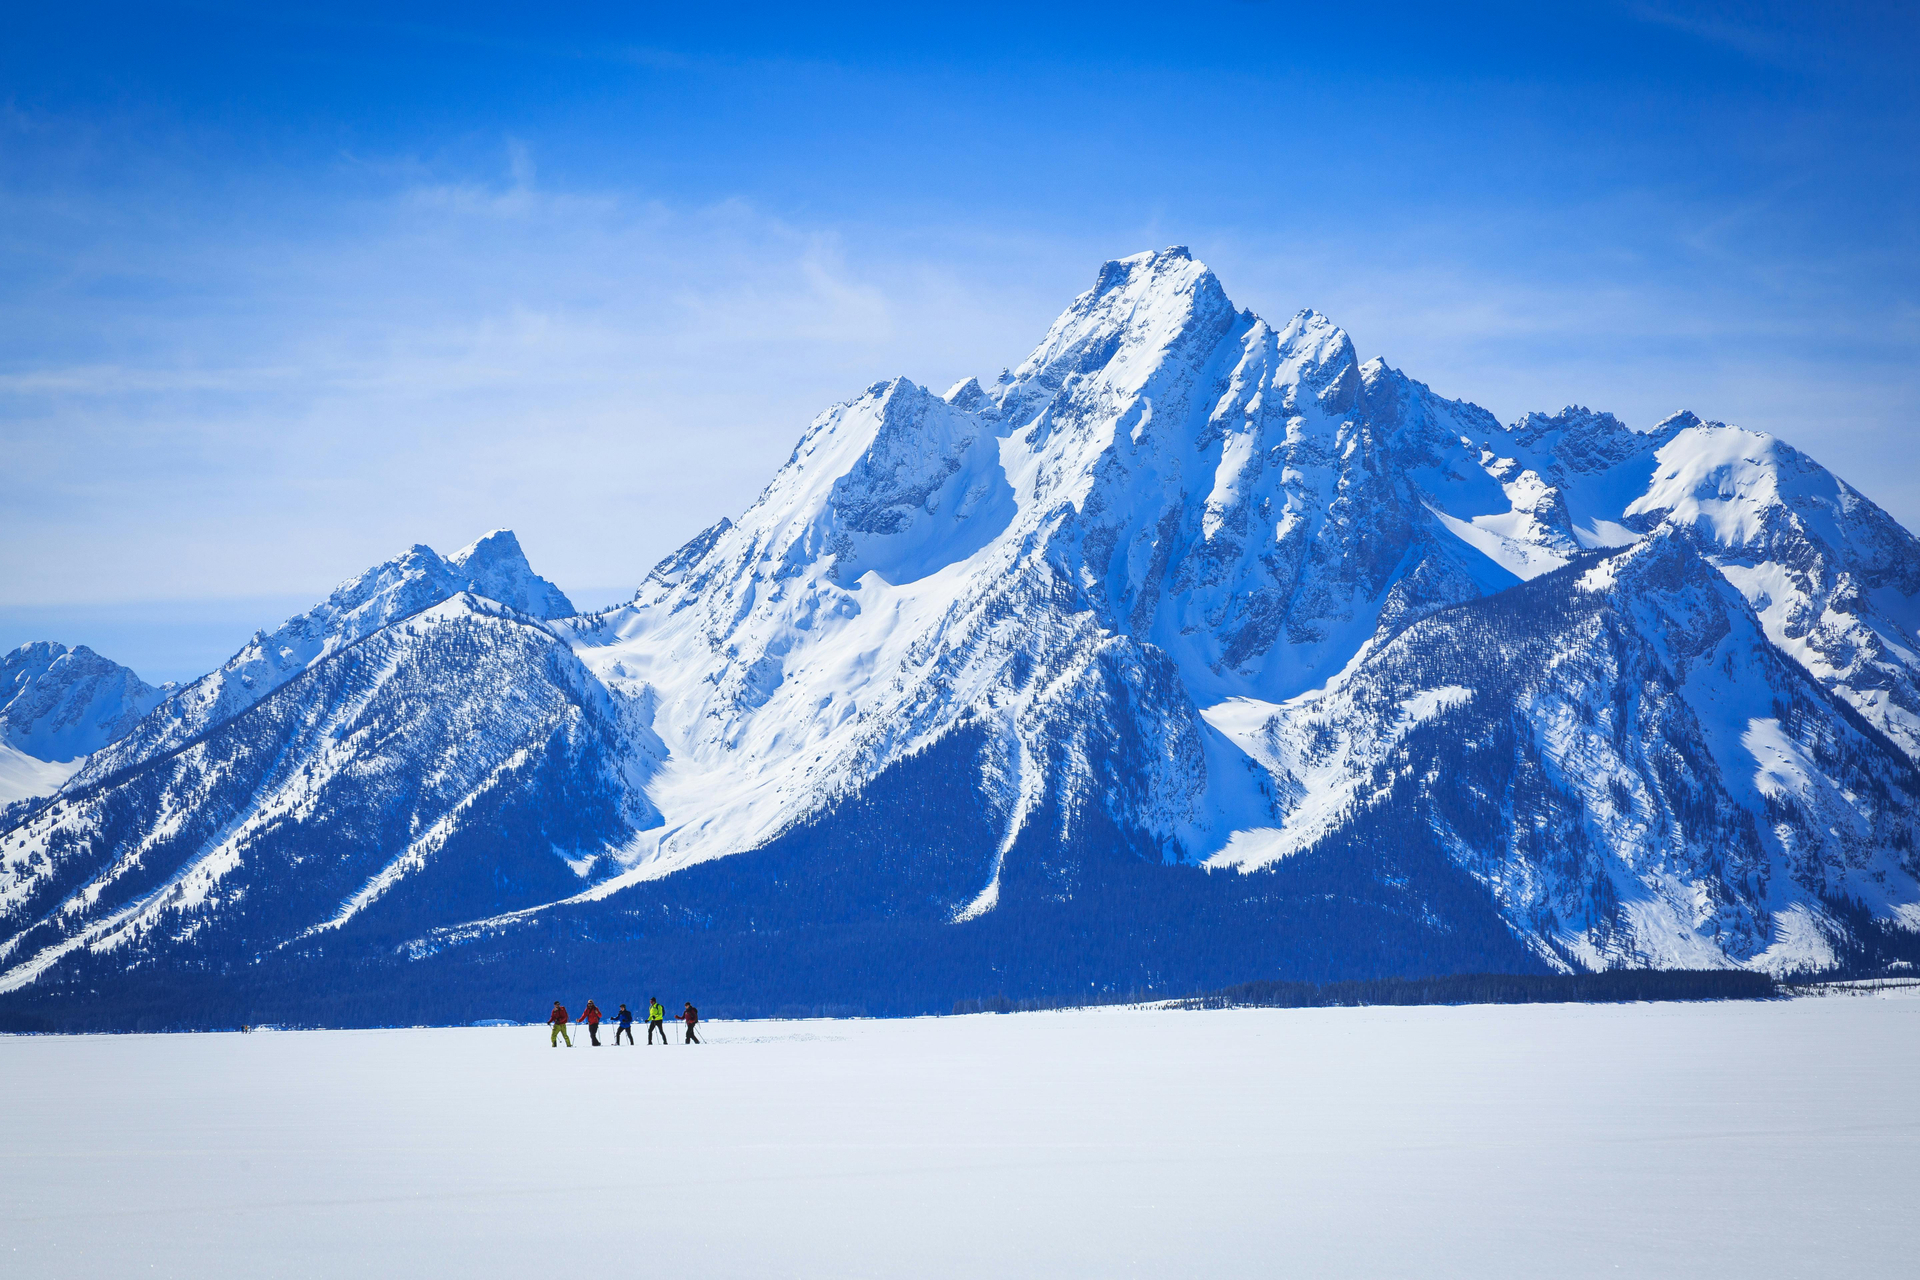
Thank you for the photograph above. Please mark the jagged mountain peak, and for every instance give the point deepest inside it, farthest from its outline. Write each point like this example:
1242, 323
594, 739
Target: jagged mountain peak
60, 702
1427, 425
1674, 423
1142, 312
1580, 439
1166, 267
493, 566
966, 394
498, 569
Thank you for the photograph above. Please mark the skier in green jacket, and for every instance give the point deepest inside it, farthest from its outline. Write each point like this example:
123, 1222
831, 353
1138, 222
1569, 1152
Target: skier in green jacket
656, 1020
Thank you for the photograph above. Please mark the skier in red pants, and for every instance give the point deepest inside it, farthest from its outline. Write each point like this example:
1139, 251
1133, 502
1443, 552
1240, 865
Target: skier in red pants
591, 1016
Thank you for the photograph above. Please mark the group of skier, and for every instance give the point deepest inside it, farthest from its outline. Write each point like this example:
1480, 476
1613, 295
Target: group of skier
656, 1021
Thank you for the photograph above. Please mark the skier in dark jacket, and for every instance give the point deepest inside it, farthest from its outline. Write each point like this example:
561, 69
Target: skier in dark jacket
625, 1018
691, 1016
558, 1020
656, 1020
591, 1016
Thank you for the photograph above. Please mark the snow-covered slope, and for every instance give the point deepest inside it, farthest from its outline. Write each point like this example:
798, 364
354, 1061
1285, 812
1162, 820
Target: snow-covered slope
1621, 757
1187, 623
1835, 580
493, 567
57, 704
456, 763
23, 777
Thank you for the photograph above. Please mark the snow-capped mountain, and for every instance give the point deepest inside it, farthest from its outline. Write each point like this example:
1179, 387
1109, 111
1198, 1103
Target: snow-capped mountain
1618, 754
57, 705
493, 567
1193, 647
458, 762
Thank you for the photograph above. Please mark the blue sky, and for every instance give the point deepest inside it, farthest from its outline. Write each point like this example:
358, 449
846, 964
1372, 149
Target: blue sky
283, 293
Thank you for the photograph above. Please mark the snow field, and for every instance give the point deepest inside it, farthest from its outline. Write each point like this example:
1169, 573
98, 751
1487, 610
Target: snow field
1753, 1140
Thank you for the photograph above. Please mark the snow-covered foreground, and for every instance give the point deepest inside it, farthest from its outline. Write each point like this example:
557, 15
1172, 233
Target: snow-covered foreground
1711, 1140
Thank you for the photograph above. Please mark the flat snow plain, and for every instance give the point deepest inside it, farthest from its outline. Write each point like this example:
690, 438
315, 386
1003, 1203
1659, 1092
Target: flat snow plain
1749, 1140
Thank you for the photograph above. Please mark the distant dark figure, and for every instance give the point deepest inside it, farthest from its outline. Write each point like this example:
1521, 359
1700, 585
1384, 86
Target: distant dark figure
245, 1029
656, 1020
559, 1020
591, 1016
625, 1018
691, 1016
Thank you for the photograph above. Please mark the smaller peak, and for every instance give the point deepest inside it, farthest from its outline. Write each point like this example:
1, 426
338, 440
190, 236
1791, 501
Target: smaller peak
897, 395
49, 649
1310, 331
1309, 321
417, 558
497, 568
1669, 554
966, 394
500, 544
1579, 439
1572, 417
1676, 424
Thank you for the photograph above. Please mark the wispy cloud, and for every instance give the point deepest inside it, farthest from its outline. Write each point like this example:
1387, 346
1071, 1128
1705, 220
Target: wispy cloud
608, 374
1751, 41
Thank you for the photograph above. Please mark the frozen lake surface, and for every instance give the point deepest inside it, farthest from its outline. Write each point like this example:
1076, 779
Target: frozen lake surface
1777, 1139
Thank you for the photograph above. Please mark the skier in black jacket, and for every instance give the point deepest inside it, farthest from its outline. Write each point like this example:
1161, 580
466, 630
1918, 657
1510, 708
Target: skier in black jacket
625, 1017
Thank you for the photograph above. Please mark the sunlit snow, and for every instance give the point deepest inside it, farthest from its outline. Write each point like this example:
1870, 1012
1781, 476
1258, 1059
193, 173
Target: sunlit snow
1739, 1139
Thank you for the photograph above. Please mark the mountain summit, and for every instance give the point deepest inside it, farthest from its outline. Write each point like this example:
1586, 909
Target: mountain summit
1191, 649
57, 705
